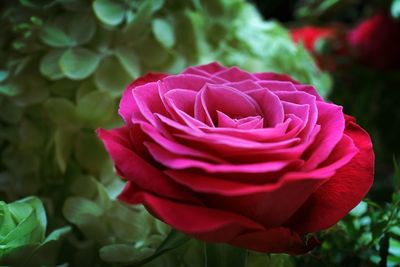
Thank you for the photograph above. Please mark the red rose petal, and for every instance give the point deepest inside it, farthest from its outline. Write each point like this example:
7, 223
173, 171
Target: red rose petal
333, 200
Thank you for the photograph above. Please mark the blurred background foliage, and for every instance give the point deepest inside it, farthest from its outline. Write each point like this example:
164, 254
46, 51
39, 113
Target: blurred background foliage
64, 65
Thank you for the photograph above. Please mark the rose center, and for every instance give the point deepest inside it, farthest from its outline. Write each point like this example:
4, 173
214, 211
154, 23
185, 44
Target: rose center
246, 123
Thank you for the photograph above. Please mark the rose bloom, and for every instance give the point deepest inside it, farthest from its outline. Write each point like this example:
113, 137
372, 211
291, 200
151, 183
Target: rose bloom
256, 160
375, 41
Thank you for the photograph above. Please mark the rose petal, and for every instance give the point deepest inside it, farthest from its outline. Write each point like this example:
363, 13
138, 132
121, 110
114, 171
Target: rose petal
132, 167
169, 160
309, 90
277, 85
174, 147
275, 240
298, 97
230, 101
148, 101
211, 68
244, 86
270, 204
270, 105
234, 74
269, 76
333, 200
183, 81
127, 105
204, 223
331, 119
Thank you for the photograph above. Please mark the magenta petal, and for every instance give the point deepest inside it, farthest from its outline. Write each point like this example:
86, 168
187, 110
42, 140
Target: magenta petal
211, 68
344, 190
183, 81
244, 86
199, 72
271, 204
127, 105
148, 101
332, 122
134, 168
234, 74
202, 222
181, 99
309, 90
232, 102
174, 147
300, 111
277, 85
246, 123
168, 159
302, 98
269, 76
276, 133
270, 106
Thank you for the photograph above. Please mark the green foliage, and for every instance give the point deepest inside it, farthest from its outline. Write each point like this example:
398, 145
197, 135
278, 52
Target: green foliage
395, 9
22, 234
65, 64
368, 236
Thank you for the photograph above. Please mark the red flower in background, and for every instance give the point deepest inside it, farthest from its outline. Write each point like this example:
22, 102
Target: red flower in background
335, 43
376, 40
309, 35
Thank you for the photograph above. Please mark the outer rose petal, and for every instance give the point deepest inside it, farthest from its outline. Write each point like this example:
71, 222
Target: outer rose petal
132, 167
334, 199
127, 102
275, 240
219, 226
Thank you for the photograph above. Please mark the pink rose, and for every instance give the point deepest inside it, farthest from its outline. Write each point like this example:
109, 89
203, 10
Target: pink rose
254, 160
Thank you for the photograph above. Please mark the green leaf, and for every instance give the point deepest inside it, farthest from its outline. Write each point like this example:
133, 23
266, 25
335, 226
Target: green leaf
174, 240
49, 65
32, 136
89, 152
34, 90
10, 89
81, 28
164, 32
87, 216
63, 140
109, 12
63, 113
157, 4
79, 63
223, 255
57, 234
140, 25
128, 223
111, 76
75, 207
129, 60
95, 108
3, 75
255, 259
156, 55
395, 9
55, 37
123, 253
46, 253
